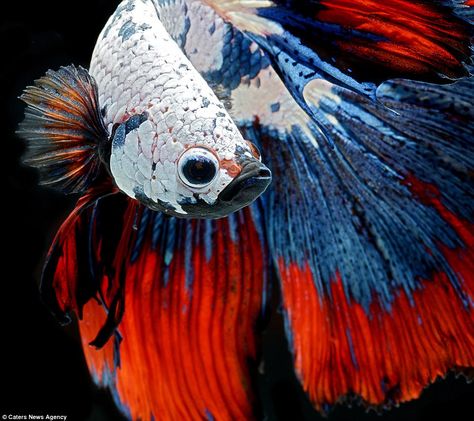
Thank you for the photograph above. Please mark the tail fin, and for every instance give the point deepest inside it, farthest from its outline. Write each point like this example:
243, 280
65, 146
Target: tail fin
372, 228
64, 129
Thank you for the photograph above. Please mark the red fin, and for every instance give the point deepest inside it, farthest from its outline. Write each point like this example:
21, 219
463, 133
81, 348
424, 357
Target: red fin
369, 41
383, 356
64, 129
192, 294
66, 282
410, 38
101, 362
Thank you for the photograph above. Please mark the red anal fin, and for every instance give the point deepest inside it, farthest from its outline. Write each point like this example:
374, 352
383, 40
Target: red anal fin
193, 292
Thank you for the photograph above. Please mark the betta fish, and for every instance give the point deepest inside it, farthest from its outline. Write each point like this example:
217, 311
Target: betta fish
219, 148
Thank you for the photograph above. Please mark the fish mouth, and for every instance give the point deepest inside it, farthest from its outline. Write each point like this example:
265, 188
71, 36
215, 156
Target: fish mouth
252, 181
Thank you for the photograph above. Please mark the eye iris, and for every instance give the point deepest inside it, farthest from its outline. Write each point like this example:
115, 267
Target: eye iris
199, 170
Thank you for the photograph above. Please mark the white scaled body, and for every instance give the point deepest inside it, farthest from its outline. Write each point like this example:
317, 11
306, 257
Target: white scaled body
140, 70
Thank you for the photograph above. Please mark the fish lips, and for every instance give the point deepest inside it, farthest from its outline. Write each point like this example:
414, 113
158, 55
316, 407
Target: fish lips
252, 181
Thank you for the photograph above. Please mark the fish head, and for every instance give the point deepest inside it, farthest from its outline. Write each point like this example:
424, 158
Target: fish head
188, 163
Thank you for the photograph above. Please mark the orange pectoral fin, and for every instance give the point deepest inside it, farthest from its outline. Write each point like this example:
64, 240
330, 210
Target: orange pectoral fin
64, 129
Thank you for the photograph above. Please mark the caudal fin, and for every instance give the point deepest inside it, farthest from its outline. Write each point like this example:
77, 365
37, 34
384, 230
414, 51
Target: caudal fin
63, 129
372, 229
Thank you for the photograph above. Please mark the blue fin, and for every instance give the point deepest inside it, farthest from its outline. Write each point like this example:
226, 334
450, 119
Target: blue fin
371, 228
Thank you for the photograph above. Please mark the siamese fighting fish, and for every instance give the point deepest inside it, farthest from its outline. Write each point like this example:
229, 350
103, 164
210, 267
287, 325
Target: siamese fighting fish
221, 150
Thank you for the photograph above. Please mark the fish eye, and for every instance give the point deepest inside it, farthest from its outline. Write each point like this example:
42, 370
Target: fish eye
197, 167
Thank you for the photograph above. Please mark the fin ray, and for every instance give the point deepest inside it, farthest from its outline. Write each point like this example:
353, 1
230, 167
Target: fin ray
192, 293
64, 129
359, 44
372, 229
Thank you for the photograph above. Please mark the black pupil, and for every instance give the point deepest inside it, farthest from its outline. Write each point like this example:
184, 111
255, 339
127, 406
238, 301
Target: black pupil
199, 170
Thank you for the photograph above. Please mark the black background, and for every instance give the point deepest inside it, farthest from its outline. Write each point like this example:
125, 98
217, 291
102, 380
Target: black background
42, 367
